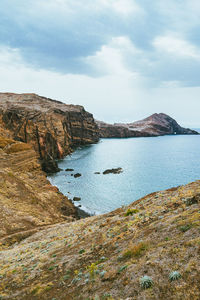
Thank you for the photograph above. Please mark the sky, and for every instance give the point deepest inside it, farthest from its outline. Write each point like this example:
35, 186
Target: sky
123, 60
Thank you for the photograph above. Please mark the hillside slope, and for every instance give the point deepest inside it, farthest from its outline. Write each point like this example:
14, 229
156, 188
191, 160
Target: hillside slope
104, 257
27, 199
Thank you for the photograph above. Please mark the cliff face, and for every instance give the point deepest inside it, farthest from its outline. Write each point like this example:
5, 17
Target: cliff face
28, 202
105, 257
155, 125
51, 127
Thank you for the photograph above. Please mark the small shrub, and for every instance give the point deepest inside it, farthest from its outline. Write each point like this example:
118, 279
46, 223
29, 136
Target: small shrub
135, 251
131, 211
121, 269
175, 275
81, 251
102, 273
185, 227
65, 277
146, 282
92, 268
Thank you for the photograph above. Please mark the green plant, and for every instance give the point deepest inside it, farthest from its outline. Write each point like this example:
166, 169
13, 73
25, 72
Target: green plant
185, 227
175, 275
131, 211
92, 268
121, 269
81, 251
146, 282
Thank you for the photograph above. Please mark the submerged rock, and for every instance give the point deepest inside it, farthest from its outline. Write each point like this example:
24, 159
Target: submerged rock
77, 175
97, 173
113, 171
69, 170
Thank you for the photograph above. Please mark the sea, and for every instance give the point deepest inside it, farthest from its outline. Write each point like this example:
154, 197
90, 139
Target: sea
149, 164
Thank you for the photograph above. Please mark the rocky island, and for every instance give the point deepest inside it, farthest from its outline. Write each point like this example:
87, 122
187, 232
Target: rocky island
147, 250
155, 125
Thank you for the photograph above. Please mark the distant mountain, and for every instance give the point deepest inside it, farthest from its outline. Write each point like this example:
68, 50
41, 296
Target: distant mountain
155, 125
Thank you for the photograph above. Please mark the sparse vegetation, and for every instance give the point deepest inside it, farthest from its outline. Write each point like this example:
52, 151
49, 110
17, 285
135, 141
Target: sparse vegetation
185, 228
135, 250
146, 282
175, 275
17, 147
101, 255
131, 211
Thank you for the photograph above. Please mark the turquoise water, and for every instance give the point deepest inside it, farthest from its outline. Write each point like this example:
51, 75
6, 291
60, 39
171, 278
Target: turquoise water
149, 164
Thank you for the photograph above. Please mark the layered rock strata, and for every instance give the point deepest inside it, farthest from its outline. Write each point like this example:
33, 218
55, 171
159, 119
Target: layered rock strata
28, 202
51, 127
155, 125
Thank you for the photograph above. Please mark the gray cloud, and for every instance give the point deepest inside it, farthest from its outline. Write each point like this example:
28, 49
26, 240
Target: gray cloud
61, 35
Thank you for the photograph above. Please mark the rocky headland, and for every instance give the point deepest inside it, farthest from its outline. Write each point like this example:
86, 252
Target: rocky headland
53, 128
155, 125
147, 250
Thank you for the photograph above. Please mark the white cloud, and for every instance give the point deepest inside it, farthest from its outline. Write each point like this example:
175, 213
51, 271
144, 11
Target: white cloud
111, 58
176, 46
122, 7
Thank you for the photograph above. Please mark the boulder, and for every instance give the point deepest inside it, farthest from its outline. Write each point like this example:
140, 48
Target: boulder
113, 171
77, 175
76, 199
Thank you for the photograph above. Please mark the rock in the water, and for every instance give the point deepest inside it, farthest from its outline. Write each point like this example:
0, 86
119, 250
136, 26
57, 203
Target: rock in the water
76, 199
113, 171
69, 170
97, 173
77, 175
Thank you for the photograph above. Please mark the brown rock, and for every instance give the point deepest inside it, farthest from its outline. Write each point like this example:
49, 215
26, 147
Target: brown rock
77, 175
27, 200
76, 199
155, 125
51, 127
113, 171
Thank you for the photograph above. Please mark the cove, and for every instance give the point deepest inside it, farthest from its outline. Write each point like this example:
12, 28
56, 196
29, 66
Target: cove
149, 165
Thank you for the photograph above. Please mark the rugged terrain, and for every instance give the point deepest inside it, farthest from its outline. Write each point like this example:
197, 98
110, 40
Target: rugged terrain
155, 125
27, 200
46, 253
51, 127
104, 257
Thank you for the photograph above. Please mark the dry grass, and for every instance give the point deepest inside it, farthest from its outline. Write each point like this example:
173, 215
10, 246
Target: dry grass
80, 260
5, 142
135, 250
18, 147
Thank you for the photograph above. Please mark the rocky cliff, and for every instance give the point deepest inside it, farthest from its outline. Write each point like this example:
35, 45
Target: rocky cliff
28, 202
155, 125
51, 127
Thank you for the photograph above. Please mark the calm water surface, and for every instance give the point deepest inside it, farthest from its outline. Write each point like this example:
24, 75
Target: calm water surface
149, 164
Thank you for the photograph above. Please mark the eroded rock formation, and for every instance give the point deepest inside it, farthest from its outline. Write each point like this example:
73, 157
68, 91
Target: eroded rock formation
53, 128
28, 201
155, 125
